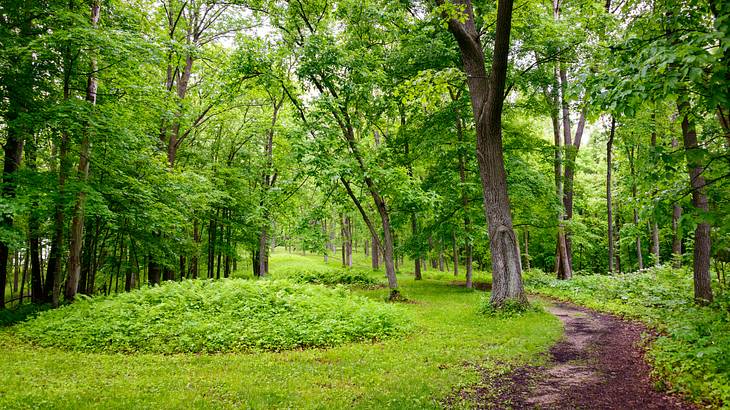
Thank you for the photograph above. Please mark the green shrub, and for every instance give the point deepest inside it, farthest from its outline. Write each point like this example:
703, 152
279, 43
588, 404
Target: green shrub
216, 316
692, 352
333, 277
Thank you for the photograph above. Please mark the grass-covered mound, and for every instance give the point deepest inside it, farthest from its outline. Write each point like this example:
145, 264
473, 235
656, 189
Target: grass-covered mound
221, 316
693, 350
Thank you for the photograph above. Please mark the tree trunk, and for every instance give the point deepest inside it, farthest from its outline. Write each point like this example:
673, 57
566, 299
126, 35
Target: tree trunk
386, 245
417, 258
701, 263
77, 223
193, 265
375, 254
654, 225
13, 149
455, 252
639, 257
609, 195
676, 229
487, 98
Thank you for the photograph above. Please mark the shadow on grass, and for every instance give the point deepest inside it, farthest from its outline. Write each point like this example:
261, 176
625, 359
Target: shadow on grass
9, 317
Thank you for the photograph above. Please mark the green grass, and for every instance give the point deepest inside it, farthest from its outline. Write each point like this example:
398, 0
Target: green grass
691, 354
412, 372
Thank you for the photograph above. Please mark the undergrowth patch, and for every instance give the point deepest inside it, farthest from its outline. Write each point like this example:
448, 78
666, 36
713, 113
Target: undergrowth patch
354, 277
222, 316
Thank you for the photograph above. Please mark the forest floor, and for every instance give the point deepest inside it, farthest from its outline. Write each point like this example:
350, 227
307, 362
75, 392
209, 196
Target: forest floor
598, 364
414, 371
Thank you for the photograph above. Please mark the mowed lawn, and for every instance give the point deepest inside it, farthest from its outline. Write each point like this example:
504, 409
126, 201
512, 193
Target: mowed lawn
415, 371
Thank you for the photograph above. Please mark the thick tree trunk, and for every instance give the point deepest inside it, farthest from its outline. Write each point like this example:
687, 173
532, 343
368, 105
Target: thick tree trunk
487, 98
701, 263
609, 194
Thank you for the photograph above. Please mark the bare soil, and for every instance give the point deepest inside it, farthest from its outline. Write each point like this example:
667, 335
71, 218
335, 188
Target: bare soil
599, 364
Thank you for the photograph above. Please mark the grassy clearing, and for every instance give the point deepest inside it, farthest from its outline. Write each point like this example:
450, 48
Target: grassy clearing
412, 372
692, 353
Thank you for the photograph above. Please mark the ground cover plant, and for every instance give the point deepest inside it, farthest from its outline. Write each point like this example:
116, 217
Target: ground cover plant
691, 354
332, 277
216, 316
450, 343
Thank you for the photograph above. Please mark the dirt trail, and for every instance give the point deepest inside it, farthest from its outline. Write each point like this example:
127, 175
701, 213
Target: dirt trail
597, 365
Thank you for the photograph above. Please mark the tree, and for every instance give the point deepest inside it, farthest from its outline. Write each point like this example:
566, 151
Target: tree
487, 97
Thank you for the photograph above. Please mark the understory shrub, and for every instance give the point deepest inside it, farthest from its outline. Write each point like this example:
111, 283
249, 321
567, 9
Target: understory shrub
333, 277
692, 351
216, 316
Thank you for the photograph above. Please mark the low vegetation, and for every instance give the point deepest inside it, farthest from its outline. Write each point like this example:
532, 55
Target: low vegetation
223, 316
692, 351
355, 277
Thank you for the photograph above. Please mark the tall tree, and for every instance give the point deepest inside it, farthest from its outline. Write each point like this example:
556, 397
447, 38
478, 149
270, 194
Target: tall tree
487, 98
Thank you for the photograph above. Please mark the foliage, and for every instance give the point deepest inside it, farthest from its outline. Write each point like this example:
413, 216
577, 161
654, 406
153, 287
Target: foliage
692, 351
359, 277
207, 316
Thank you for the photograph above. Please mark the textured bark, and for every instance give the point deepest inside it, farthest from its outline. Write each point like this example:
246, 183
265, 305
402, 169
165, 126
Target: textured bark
701, 262
487, 98
609, 193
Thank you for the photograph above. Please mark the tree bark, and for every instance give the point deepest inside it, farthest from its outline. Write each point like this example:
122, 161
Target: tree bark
609, 194
487, 98
701, 263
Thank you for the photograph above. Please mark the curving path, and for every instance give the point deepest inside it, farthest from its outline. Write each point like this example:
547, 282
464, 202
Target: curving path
598, 364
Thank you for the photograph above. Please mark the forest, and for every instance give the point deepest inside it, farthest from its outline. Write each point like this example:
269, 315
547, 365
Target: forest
365, 204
